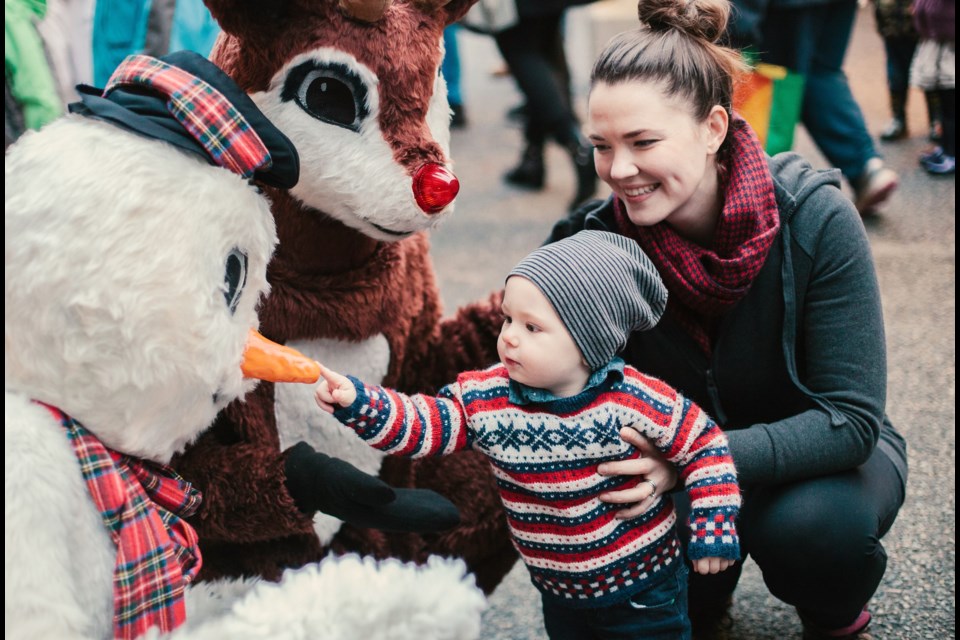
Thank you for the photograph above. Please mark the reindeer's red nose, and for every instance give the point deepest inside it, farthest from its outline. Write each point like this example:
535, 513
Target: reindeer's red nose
434, 187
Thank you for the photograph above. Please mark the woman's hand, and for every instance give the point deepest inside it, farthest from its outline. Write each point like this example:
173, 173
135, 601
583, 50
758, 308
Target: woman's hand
658, 476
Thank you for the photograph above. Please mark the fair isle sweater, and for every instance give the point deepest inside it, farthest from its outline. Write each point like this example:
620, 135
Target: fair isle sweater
545, 454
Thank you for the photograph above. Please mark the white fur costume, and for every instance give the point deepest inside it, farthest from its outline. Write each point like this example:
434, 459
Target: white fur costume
115, 313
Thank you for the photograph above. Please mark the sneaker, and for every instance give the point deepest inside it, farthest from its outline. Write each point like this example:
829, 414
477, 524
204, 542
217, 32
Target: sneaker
895, 130
942, 165
933, 154
874, 187
857, 630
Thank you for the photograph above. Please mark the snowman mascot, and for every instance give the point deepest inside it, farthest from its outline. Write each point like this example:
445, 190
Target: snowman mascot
136, 251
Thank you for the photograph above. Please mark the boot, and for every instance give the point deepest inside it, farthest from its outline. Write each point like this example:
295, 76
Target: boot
897, 128
581, 152
529, 172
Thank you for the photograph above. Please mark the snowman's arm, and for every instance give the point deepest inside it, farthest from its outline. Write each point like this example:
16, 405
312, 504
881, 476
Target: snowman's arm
350, 597
43, 494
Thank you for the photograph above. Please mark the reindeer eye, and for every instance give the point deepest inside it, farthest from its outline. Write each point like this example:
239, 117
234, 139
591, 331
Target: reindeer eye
329, 92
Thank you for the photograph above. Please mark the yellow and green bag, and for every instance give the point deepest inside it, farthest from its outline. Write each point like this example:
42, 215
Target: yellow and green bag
770, 97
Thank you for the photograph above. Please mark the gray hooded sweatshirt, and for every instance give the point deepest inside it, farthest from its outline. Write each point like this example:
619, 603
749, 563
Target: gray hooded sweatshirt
797, 377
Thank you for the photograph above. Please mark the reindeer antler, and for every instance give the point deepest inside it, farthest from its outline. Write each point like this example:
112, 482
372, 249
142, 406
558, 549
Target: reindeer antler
429, 6
365, 10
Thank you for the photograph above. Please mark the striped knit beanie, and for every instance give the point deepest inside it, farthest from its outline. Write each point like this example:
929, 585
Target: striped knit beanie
603, 287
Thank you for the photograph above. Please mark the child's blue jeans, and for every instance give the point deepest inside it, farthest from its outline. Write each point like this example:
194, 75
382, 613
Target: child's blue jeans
658, 613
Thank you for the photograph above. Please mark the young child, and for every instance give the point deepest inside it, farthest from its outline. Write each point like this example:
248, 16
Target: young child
548, 414
934, 70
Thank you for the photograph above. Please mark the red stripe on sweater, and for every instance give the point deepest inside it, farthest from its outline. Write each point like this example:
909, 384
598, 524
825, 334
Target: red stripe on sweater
706, 491
629, 537
704, 462
490, 405
393, 424
686, 432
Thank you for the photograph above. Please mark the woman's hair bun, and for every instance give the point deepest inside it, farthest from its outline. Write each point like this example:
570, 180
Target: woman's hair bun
704, 19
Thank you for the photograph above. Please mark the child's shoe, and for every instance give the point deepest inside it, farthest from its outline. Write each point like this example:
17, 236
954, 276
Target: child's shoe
938, 163
931, 154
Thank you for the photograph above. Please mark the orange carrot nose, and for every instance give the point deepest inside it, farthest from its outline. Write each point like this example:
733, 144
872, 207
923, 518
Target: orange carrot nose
266, 360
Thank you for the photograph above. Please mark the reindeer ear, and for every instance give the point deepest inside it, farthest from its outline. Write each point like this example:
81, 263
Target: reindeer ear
452, 10
246, 18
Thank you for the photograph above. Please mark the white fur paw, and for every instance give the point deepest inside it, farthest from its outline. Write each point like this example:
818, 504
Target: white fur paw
349, 597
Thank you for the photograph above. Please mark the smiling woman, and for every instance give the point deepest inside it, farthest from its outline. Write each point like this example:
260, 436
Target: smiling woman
774, 323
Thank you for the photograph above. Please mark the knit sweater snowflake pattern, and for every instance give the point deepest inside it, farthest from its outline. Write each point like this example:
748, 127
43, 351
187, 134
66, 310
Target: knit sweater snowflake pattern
545, 456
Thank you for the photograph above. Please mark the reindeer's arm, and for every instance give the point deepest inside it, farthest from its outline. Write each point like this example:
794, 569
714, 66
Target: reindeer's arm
238, 466
466, 341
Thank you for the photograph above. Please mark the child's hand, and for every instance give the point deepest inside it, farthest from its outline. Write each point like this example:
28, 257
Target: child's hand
711, 565
334, 389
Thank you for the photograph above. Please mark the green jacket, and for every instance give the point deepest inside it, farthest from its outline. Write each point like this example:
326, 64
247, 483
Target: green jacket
797, 378
25, 63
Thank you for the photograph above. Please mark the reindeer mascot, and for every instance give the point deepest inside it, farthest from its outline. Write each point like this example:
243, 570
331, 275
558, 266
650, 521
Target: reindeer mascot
355, 85
135, 256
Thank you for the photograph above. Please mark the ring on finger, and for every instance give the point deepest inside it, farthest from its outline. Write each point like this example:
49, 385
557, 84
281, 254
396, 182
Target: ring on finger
653, 486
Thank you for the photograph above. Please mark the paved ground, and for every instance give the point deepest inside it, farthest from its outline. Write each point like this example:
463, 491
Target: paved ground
914, 246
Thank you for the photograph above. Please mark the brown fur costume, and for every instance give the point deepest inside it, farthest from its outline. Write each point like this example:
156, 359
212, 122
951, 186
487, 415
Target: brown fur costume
342, 276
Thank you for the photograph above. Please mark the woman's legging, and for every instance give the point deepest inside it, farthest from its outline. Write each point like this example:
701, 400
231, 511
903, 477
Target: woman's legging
816, 542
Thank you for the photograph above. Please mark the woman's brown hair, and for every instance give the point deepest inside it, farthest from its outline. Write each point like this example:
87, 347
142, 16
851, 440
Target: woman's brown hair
676, 46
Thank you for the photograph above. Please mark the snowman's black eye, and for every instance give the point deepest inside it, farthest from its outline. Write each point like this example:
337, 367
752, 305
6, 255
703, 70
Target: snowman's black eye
234, 278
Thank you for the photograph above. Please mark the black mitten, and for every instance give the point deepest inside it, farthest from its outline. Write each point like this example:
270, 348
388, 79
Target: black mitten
317, 482
418, 510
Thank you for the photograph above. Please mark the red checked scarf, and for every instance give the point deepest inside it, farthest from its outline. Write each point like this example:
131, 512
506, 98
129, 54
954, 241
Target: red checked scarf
705, 283
142, 505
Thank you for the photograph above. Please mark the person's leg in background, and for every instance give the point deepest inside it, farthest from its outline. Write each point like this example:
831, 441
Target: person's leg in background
813, 40
948, 98
935, 116
451, 73
934, 71
899, 52
894, 20
942, 159
524, 47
